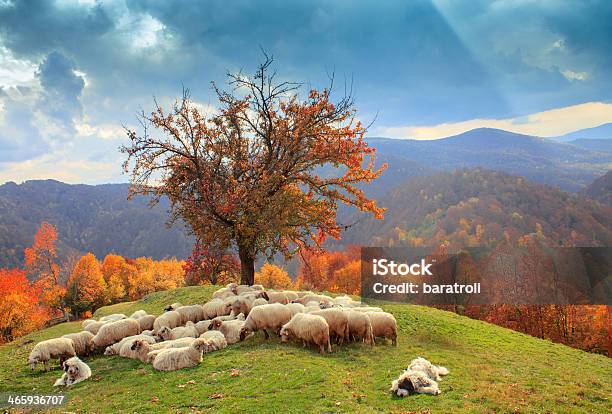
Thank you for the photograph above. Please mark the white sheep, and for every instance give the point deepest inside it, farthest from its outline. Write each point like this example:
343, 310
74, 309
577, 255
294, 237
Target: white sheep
242, 304
296, 308
148, 332
229, 329
94, 326
291, 295
215, 340
203, 326
242, 289
258, 302
87, 322
346, 301
275, 297
224, 293
367, 309
316, 298
146, 322
75, 371
171, 319
310, 329
116, 347
193, 313
116, 331
217, 307
44, 351
173, 306
337, 320
113, 318
138, 314
383, 325
360, 327
271, 316
178, 358
187, 331
82, 342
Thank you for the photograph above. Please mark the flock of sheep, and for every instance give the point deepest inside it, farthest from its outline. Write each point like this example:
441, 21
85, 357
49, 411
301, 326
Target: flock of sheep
177, 338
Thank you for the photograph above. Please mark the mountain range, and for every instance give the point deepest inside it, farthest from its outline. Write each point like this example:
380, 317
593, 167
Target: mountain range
100, 219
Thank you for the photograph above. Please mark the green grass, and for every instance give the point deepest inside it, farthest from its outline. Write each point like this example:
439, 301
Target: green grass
492, 370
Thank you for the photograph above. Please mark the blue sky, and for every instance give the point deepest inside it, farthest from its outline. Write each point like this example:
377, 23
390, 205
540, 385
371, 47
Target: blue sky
72, 72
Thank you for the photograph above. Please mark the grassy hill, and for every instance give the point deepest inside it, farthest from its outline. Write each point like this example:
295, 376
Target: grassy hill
491, 370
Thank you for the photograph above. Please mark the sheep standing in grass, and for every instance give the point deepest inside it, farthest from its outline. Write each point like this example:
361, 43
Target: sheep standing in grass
178, 358
171, 319
275, 297
146, 322
271, 316
296, 308
360, 327
229, 329
337, 320
116, 331
316, 298
94, 326
87, 322
172, 307
187, 331
138, 314
217, 307
75, 371
291, 295
226, 292
383, 325
312, 329
44, 351
193, 313
113, 317
82, 342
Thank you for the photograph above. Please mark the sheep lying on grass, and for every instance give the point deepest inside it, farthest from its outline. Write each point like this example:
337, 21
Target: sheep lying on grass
217, 307
311, 329
138, 314
271, 316
229, 329
116, 331
193, 313
115, 348
186, 331
56, 348
146, 351
419, 378
113, 318
178, 358
383, 325
75, 371
82, 342
94, 326
215, 340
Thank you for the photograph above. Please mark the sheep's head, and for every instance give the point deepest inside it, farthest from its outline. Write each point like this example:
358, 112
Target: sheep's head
236, 305
137, 345
32, 360
264, 295
215, 324
202, 345
168, 308
244, 332
165, 333
110, 351
227, 308
286, 333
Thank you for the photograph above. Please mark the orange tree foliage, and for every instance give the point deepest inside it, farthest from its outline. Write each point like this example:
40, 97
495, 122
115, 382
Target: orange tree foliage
41, 265
86, 286
245, 176
332, 271
210, 265
273, 277
20, 312
146, 276
113, 270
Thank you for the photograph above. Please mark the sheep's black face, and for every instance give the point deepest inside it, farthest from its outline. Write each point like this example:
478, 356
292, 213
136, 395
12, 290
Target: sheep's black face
168, 308
135, 346
406, 384
243, 333
265, 296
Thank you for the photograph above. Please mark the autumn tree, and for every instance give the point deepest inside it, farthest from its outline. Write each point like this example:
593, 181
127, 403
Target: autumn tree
247, 175
86, 287
42, 265
273, 277
210, 265
20, 312
112, 268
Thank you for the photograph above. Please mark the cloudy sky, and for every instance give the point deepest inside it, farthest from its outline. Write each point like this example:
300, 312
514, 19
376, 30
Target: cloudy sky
73, 72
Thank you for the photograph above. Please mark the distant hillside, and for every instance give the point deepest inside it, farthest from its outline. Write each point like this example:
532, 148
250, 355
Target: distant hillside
599, 132
601, 189
97, 218
545, 161
592, 144
479, 207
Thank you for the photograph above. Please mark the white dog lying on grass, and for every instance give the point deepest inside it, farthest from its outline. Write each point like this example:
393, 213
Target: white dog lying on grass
75, 371
420, 378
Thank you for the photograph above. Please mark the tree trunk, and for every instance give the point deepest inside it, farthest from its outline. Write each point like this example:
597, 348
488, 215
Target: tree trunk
247, 266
